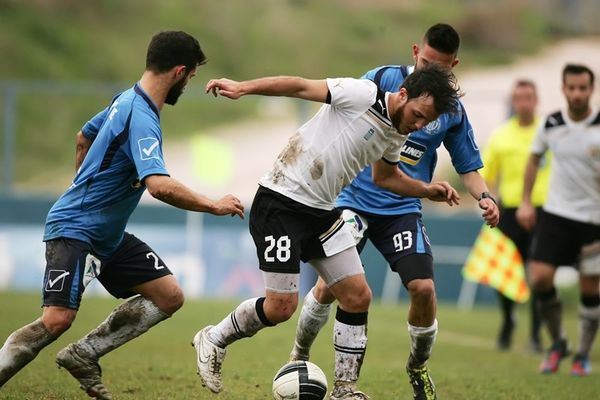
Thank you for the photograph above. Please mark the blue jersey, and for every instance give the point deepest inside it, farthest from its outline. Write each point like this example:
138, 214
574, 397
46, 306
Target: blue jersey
418, 158
126, 148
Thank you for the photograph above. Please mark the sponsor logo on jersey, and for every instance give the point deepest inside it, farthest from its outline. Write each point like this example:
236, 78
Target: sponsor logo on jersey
369, 133
412, 152
432, 127
148, 148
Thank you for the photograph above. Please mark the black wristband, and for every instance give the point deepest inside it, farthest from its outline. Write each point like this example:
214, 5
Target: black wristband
487, 195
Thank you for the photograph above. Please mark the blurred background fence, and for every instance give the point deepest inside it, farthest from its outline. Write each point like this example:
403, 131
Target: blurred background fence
215, 257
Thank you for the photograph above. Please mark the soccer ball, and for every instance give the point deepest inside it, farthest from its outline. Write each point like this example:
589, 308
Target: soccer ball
299, 380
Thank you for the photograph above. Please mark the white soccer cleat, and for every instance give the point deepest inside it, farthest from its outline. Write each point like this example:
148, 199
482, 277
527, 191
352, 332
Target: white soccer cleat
209, 361
346, 391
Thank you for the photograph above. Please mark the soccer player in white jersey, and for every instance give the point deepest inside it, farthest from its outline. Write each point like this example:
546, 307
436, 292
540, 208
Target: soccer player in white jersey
393, 223
570, 219
293, 215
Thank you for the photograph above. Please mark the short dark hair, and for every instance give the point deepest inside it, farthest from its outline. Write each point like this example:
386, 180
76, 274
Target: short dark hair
439, 83
168, 49
577, 69
443, 38
525, 83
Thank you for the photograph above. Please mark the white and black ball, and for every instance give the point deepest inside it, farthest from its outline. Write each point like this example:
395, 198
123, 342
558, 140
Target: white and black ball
299, 380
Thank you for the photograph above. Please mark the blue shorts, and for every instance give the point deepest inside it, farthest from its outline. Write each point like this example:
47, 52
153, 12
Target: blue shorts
71, 265
402, 240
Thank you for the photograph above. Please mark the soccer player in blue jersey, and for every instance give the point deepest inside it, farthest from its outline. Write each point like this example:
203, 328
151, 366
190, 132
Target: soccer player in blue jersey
119, 155
393, 223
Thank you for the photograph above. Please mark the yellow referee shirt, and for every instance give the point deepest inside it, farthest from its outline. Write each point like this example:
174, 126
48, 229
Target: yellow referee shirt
504, 161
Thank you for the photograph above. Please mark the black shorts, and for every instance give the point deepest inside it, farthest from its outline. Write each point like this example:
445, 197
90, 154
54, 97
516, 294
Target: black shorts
403, 242
558, 241
510, 227
71, 265
285, 231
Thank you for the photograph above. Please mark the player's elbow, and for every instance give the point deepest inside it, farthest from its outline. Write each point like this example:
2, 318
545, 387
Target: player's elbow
382, 181
157, 188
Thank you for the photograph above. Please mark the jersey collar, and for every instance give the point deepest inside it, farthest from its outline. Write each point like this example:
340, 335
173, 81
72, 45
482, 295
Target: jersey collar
138, 89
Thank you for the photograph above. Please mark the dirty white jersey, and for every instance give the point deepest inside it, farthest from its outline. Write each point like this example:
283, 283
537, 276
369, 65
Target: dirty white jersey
350, 132
574, 190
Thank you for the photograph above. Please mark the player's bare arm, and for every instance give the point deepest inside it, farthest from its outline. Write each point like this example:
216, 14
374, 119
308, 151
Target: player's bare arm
287, 86
526, 211
476, 185
173, 192
82, 145
390, 177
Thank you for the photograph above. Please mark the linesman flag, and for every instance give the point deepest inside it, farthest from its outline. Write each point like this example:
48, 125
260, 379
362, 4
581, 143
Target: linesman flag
495, 261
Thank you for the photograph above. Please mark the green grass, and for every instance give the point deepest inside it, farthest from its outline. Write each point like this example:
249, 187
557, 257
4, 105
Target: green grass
161, 365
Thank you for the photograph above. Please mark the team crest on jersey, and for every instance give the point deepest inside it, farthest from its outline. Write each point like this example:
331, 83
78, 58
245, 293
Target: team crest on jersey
412, 152
149, 148
432, 127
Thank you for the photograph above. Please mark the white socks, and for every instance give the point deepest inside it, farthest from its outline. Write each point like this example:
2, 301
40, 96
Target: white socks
128, 321
22, 346
588, 327
313, 317
421, 343
247, 319
350, 344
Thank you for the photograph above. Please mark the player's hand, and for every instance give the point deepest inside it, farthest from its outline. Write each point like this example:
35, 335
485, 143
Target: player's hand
526, 216
491, 213
229, 205
224, 87
442, 192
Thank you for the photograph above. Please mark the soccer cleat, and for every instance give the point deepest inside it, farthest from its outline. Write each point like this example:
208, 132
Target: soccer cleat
581, 366
209, 361
422, 384
346, 391
557, 352
295, 355
85, 369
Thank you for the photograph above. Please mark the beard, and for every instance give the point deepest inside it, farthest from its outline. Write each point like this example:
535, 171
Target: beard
397, 121
175, 91
578, 107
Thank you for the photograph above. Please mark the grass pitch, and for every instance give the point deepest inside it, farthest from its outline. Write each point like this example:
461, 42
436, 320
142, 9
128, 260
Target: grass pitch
161, 363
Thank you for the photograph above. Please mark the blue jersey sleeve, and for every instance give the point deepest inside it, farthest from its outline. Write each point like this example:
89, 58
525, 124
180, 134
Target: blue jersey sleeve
92, 127
145, 145
460, 142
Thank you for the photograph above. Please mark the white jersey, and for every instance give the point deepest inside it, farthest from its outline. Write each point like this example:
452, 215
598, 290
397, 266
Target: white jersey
574, 190
351, 132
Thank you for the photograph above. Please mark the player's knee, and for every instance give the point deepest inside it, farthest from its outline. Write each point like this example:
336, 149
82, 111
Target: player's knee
280, 309
422, 290
541, 279
58, 321
322, 293
357, 300
173, 301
